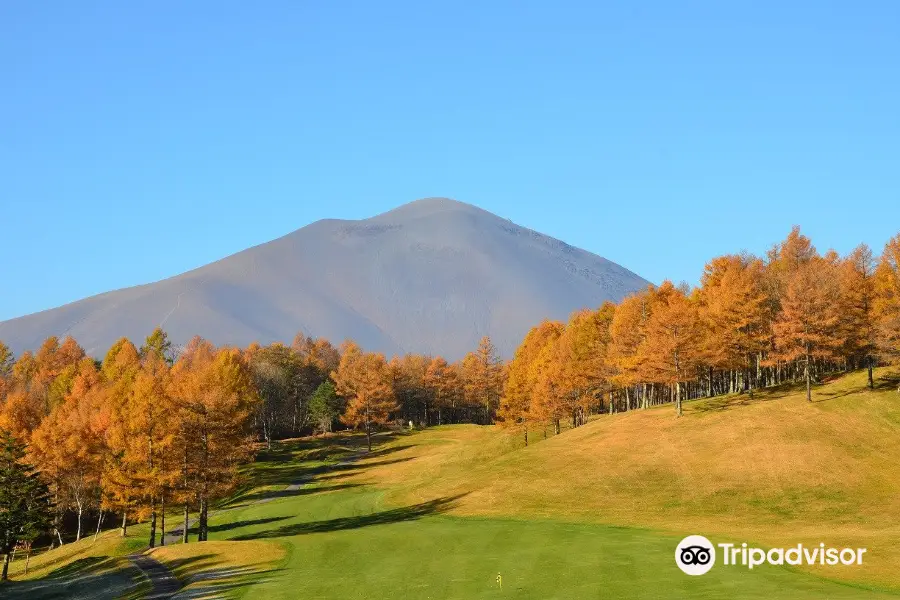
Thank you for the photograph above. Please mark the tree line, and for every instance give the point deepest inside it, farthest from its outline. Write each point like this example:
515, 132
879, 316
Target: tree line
147, 429
753, 322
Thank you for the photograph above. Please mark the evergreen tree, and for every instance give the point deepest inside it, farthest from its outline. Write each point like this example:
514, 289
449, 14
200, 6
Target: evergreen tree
24, 504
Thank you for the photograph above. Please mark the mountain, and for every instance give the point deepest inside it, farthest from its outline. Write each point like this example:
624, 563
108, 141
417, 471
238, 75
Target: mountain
431, 276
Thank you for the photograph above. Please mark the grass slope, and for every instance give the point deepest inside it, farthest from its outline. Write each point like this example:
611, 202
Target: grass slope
775, 470
593, 513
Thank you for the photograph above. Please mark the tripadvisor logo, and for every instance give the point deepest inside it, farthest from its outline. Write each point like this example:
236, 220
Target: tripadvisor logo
696, 555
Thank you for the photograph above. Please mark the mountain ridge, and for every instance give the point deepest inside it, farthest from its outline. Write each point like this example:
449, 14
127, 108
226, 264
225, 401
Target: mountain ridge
430, 276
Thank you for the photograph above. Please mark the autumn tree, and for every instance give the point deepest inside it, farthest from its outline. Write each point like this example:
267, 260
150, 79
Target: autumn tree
886, 302
158, 344
808, 325
856, 293
120, 482
274, 370
68, 445
583, 360
364, 380
410, 389
442, 383
214, 399
671, 346
482, 374
734, 316
627, 331
517, 407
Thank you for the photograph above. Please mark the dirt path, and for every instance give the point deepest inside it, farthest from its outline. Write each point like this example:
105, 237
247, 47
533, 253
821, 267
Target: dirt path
165, 584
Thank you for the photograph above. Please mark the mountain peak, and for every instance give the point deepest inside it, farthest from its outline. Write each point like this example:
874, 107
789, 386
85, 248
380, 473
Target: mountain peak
432, 276
424, 207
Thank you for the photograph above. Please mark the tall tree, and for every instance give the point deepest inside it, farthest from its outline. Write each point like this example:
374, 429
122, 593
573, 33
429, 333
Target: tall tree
24, 505
158, 344
517, 407
808, 325
68, 448
672, 345
324, 406
483, 377
734, 312
365, 381
886, 303
443, 385
214, 397
856, 289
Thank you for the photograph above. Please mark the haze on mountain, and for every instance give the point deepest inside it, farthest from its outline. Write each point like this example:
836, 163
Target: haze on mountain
432, 276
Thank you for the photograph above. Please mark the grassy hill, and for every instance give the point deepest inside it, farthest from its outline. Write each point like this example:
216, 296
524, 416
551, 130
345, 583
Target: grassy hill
595, 512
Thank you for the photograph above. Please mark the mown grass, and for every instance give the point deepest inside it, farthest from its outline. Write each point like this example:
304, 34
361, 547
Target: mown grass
593, 513
773, 470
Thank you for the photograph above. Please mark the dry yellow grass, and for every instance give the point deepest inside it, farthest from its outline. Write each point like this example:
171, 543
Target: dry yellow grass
215, 568
775, 470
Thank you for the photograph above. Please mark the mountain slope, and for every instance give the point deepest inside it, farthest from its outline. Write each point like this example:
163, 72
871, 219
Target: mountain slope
430, 276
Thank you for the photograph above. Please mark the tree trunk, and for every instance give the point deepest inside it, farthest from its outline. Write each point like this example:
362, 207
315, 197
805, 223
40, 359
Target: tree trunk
78, 531
152, 522
871, 374
369, 433
27, 556
187, 521
99, 523
123, 531
678, 398
808, 381
5, 575
204, 528
526, 436
557, 426
162, 516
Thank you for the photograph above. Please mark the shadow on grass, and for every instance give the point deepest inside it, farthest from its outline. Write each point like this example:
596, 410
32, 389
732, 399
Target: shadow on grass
286, 464
203, 576
247, 523
302, 491
396, 515
92, 577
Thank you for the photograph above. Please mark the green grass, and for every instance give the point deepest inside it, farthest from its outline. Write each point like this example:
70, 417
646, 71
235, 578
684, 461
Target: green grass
593, 513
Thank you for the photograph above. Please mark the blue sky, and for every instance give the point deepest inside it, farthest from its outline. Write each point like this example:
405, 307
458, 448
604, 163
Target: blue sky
139, 140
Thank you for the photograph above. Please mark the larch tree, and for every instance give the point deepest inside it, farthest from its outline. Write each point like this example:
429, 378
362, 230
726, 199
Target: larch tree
856, 289
158, 344
68, 448
886, 302
365, 381
516, 404
807, 327
628, 329
584, 360
149, 433
442, 382
215, 399
120, 481
671, 346
483, 377
734, 314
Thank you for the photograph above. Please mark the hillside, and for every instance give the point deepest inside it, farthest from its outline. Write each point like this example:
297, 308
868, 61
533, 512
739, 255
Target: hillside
595, 510
774, 470
432, 276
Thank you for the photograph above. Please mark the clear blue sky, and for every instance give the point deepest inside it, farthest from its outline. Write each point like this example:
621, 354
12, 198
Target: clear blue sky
142, 139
